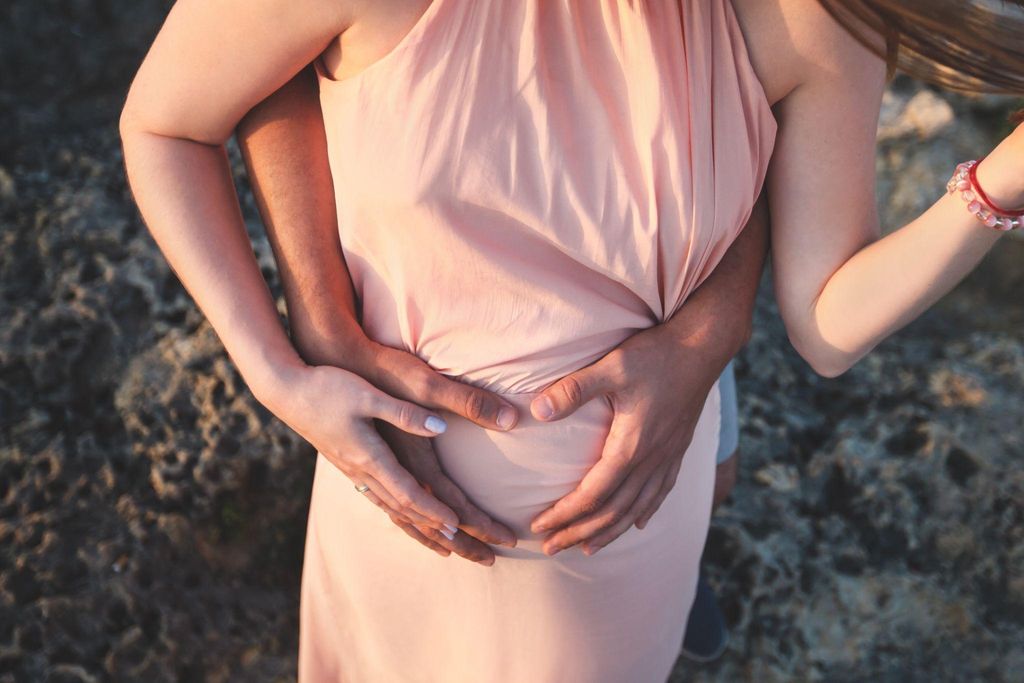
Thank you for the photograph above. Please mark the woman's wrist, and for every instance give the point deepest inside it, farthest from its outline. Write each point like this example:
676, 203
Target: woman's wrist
274, 379
1001, 173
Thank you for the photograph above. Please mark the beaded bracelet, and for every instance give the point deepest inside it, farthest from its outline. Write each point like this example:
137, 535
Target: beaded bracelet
965, 180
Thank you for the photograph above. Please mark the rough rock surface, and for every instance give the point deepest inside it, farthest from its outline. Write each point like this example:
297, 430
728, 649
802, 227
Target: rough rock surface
152, 513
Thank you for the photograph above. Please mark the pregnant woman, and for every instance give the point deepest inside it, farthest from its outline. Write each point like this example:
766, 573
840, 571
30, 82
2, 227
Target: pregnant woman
522, 186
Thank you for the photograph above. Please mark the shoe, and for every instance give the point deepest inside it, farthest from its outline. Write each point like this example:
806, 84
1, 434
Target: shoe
706, 635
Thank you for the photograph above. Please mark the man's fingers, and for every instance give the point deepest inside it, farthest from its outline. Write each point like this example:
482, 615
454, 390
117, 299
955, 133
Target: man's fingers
566, 395
405, 374
418, 535
477, 405
586, 499
614, 511
666, 485
463, 545
473, 521
647, 494
419, 458
617, 459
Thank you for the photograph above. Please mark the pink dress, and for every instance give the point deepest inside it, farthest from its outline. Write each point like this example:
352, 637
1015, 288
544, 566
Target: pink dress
521, 186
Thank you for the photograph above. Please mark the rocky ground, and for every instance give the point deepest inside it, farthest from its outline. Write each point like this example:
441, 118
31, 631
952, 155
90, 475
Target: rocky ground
151, 512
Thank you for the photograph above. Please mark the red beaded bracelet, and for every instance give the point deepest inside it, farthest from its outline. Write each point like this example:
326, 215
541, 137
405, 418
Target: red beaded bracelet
972, 172
966, 181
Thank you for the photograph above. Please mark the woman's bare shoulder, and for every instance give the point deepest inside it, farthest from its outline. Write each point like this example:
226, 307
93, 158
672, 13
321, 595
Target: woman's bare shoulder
793, 42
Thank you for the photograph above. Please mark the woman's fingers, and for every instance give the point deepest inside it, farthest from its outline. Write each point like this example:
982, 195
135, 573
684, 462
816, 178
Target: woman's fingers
405, 415
461, 544
372, 496
385, 501
398, 487
418, 456
642, 502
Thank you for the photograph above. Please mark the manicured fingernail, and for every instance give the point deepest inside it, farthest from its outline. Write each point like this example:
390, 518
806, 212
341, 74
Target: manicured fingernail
435, 424
450, 528
506, 416
447, 534
545, 408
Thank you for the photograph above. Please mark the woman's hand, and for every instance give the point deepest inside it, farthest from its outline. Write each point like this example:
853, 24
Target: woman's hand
334, 410
407, 376
405, 453
417, 455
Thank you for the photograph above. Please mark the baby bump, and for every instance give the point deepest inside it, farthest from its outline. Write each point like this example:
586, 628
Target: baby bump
514, 475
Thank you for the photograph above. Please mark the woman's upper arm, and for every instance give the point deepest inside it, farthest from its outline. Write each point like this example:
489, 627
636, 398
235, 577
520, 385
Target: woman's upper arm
213, 60
821, 179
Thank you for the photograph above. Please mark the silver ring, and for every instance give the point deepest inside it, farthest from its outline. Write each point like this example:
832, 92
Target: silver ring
362, 488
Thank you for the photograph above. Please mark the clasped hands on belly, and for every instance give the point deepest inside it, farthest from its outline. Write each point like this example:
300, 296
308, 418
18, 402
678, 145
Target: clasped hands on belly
374, 418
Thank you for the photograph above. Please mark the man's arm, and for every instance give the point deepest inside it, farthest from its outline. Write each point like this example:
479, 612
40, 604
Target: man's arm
284, 147
716, 320
659, 380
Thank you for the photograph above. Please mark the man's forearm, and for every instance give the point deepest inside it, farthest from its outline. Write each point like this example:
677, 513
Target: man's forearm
285, 151
716, 319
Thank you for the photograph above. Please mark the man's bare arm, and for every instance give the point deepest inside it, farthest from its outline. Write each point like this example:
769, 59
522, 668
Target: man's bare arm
716, 320
662, 376
284, 147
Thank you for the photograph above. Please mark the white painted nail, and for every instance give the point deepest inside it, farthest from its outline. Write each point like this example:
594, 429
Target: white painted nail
447, 534
435, 424
505, 417
450, 528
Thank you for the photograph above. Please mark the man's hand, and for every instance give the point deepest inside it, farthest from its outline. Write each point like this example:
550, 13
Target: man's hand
658, 381
657, 396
